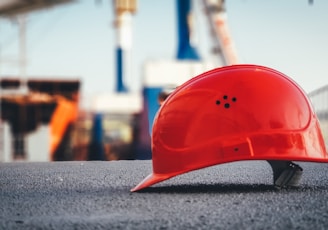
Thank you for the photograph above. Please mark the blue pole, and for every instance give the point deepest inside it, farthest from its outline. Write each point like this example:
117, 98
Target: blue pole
120, 87
96, 148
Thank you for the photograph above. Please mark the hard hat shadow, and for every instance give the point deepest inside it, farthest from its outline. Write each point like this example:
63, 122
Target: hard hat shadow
211, 188
225, 188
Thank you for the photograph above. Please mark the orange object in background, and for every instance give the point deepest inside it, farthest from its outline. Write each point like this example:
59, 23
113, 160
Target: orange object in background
48, 101
66, 95
64, 115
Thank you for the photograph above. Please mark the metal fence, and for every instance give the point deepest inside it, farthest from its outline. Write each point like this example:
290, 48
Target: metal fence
319, 99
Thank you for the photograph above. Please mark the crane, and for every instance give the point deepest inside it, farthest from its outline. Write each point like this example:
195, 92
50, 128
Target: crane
217, 20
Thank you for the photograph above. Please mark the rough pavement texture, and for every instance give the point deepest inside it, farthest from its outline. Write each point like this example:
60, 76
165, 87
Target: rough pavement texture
96, 195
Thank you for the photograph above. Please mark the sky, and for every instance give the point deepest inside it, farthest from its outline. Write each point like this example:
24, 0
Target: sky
79, 40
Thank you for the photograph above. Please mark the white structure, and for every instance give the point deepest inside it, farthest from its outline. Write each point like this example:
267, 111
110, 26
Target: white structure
37, 144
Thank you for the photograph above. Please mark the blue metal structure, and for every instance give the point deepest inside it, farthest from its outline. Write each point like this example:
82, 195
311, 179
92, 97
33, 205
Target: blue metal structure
151, 103
185, 49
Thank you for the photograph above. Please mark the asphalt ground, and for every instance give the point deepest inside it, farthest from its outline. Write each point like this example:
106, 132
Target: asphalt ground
96, 195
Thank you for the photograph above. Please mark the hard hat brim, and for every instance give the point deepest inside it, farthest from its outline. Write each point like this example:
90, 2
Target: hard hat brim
151, 179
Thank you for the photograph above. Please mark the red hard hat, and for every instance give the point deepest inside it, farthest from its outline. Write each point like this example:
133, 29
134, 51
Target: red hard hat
233, 113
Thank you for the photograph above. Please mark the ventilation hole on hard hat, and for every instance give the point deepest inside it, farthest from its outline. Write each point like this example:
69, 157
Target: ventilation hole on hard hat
226, 105
236, 149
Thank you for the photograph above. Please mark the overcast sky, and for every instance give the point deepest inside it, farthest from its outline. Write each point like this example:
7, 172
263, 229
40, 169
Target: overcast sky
78, 40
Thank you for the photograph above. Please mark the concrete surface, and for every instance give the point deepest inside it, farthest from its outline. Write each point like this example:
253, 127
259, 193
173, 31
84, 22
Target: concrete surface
96, 195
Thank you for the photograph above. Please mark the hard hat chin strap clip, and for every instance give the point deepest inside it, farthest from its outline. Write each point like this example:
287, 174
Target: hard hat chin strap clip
286, 174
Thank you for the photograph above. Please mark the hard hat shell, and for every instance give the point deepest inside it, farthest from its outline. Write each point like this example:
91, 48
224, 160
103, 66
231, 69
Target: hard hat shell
233, 113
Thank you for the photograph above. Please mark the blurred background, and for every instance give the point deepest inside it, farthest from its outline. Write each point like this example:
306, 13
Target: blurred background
80, 80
